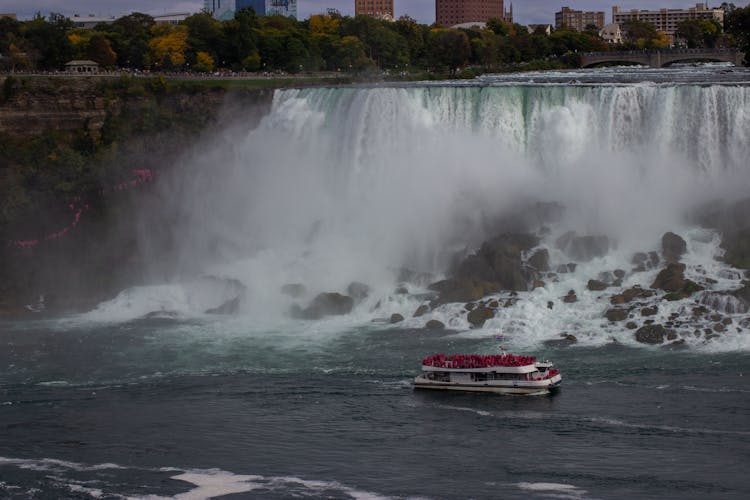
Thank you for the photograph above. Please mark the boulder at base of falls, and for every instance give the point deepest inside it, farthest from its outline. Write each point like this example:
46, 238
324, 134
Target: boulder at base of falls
358, 291
672, 279
644, 262
616, 314
540, 260
396, 318
325, 304
228, 307
434, 324
570, 297
565, 340
596, 285
421, 311
672, 247
649, 311
651, 334
736, 245
497, 266
460, 290
479, 315
583, 248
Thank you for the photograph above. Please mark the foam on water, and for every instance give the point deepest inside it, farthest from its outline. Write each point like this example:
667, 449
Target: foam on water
204, 483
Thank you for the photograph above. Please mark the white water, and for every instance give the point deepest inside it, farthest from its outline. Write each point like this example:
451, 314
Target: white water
347, 184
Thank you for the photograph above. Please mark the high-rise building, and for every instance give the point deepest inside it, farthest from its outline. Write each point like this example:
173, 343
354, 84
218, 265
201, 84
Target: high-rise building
382, 9
453, 12
577, 20
666, 20
225, 9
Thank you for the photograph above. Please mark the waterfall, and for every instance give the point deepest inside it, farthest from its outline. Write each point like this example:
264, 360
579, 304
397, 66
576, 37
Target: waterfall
358, 183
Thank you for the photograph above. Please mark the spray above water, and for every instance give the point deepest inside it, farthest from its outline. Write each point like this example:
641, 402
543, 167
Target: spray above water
342, 185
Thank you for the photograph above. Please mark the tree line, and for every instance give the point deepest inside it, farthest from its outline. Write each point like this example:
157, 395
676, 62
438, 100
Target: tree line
330, 42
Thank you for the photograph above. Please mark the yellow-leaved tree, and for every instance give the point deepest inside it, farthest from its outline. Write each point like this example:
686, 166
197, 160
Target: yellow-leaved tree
168, 45
203, 62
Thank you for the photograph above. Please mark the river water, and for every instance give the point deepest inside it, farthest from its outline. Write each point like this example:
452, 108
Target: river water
148, 397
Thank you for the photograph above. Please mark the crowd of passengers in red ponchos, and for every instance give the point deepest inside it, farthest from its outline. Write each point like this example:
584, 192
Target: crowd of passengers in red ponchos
477, 361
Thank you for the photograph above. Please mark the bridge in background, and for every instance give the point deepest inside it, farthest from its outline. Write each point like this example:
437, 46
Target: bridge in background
661, 58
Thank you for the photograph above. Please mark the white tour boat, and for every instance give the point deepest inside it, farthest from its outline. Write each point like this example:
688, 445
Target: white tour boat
503, 373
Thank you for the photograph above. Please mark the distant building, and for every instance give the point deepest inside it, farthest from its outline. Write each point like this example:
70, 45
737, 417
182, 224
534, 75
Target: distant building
382, 9
611, 33
666, 20
577, 20
82, 67
225, 9
539, 28
176, 18
90, 22
9, 16
455, 12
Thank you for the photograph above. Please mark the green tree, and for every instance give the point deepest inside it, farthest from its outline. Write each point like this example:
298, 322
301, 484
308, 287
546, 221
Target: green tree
240, 37
49, 39
449, 49
699, 33
100, 50
737, 23
130, 36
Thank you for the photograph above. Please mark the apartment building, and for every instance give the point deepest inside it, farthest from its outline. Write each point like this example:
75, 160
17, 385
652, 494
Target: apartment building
578, 20
667, 20
382, 9
452, 12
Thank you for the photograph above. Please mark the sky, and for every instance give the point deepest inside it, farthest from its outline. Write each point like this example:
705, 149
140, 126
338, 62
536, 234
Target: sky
525, 11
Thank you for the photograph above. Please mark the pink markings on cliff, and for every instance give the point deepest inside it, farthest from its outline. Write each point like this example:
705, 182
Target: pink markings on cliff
78, 207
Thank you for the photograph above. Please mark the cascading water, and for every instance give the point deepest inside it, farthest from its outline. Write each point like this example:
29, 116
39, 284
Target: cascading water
354, 184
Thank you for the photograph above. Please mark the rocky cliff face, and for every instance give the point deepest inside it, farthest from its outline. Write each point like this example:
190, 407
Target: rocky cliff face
67, 141
32, 106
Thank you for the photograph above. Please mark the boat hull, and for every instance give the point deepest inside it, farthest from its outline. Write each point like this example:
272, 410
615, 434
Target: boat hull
518, 387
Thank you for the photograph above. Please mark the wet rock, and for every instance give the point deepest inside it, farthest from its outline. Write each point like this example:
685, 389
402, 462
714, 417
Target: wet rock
629, 295
649, 311
631, 325
550, 304
358, 291
572, 266
422, 310
570, 297
538, 284
596, 285
493, 304
673, 247
562, 269
726, 321
229, 307
540, 260
583, 248
616, 314
719, 327
294, 290
479, 315
699, 311
396, 318
325, 304
736, 245
672, 279
671, 335
565, 340
401, 290
434, 324
651, 334
619, 273
470, 306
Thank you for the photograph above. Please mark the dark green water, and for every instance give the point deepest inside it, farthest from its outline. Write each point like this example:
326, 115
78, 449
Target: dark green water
152, 408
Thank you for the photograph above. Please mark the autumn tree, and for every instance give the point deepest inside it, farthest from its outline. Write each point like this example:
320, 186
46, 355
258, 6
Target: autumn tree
168, 46
100, 51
